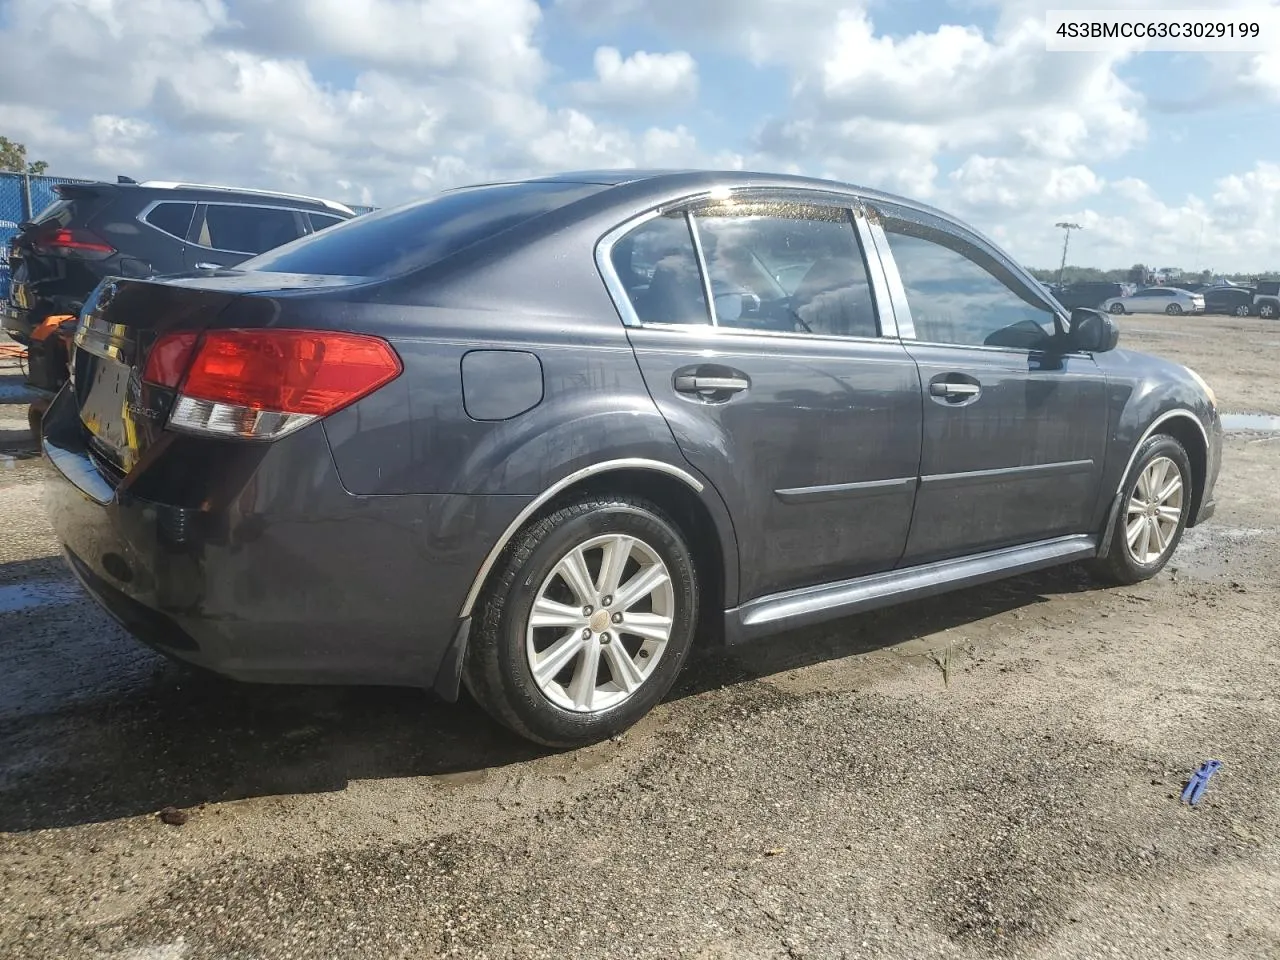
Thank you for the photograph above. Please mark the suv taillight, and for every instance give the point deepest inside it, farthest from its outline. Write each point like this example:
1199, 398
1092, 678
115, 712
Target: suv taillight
72, 242
264, 384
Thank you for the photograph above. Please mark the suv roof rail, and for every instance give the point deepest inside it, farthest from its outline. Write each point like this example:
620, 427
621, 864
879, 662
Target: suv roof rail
175, 185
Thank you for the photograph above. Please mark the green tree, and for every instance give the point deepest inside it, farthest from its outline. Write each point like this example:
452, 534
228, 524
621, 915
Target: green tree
13, 159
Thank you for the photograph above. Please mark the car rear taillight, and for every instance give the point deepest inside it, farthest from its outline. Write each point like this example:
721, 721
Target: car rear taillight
72, 242
264, 384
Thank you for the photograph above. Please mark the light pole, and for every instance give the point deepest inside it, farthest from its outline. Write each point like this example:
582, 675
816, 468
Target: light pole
1066, 238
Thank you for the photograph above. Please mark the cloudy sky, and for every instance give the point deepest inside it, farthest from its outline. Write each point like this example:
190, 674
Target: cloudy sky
953, 101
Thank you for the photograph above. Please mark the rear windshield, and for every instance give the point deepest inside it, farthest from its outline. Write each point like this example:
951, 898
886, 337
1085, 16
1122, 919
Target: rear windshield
59, 212
395, 241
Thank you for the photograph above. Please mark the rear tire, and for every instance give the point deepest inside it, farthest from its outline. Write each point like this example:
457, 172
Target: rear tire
1242, 311
1117, 308
1267, 311
1153, 513
578, 675
1173, 310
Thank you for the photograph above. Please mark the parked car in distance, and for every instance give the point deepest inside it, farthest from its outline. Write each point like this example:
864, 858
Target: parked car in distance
1090, 293
539, 437
97, 230
1237, 301
1170, 300
1266, 299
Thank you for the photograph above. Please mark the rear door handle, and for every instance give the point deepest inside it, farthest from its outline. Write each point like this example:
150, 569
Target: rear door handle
692, 383
941, 388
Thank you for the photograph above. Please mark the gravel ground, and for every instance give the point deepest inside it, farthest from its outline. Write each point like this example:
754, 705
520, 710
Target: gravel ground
831, 793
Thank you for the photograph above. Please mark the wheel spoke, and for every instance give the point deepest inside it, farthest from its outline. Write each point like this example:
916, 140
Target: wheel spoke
1158, 532
625, 673
640, 586
1134, 530
1136, 506
1171, 514
647, 626
557, 656
1166, 493
573, 570
616, 554
1144, 487
582, 688
550, 613
1144, 541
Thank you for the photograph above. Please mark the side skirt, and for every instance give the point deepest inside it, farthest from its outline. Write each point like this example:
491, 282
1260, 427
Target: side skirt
810, 605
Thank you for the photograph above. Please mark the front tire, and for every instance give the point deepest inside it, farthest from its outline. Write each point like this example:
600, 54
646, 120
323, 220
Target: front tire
1267, 311
1153, 515
1117, 308
1173, 310
1242, 311
587, 622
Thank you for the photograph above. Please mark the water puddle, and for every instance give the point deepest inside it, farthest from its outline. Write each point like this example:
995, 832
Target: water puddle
1250, 423
38, 593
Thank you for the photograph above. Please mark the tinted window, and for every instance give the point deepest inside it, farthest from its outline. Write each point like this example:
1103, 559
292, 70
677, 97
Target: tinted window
786, 267
172, 218
60, 212
958, 294
321, 220
659, 269
391, 242
246, 229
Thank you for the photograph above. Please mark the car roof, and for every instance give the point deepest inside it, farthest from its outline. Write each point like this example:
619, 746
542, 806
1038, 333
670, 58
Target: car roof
212, 192
695, 180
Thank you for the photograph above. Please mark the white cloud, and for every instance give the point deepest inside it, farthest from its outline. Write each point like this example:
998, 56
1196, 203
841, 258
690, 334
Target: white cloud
376, 101
490, 38
641, 81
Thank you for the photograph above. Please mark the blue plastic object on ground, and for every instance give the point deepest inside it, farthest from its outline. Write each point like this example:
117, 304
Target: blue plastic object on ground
1199, 780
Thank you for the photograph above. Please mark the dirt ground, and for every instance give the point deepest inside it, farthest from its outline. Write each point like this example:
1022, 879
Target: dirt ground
994, 773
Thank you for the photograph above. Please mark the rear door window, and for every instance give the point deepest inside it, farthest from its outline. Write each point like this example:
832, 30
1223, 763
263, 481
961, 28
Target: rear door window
321, 220
658, 266
173, 218
392, 242
241, 228
786, 267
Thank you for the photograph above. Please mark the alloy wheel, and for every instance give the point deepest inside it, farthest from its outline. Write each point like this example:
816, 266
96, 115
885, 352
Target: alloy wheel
600, 623
1154, 511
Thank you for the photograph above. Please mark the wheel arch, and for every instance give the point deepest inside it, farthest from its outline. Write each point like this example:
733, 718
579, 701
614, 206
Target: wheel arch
689, 500
1185, 427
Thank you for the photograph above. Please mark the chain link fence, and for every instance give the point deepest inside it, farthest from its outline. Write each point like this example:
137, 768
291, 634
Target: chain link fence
23, 196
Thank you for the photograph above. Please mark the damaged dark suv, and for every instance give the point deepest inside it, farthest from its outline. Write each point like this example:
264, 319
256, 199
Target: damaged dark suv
129, 229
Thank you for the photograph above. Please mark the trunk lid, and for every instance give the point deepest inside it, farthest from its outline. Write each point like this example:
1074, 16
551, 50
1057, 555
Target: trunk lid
122, 415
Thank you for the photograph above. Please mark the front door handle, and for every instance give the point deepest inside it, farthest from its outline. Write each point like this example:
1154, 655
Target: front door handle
954, 391
693, 383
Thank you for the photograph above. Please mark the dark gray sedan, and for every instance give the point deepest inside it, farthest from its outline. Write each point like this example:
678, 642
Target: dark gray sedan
537, 437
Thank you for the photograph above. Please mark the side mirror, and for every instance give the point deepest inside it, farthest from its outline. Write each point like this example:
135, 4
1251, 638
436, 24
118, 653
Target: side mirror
1093, 331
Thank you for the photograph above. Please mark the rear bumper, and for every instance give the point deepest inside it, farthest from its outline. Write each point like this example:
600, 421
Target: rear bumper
286, 578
